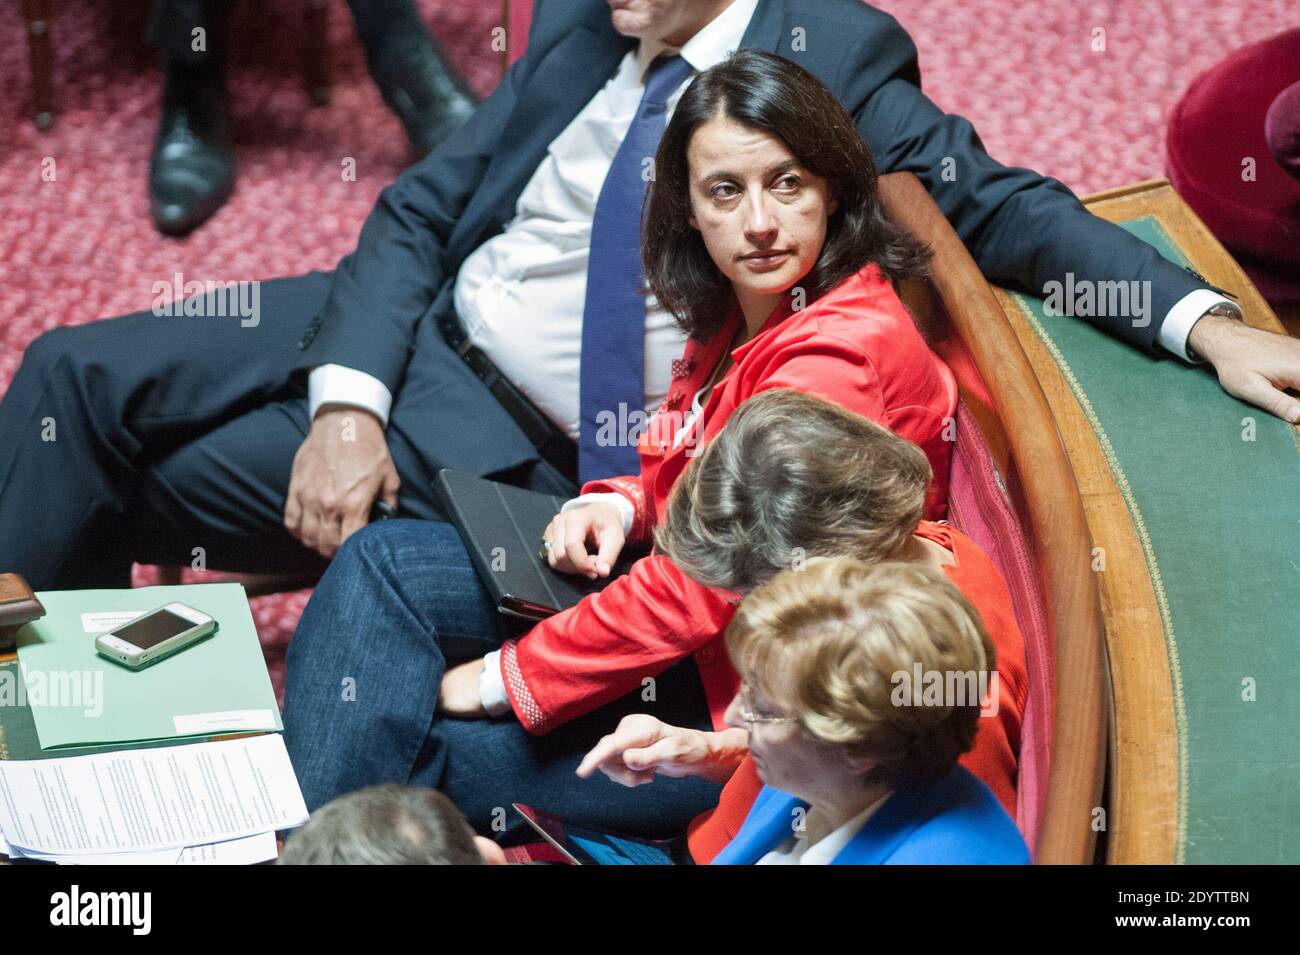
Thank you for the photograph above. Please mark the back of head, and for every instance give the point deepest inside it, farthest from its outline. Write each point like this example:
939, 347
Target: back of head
792, 476
385, 825
840, 645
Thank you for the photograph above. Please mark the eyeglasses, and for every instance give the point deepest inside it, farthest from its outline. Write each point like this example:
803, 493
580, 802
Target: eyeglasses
749, 716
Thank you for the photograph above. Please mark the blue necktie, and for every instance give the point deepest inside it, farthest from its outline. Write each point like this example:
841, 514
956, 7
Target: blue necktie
613, 318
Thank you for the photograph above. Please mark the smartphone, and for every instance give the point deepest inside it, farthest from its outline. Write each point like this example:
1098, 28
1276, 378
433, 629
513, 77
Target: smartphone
155, 635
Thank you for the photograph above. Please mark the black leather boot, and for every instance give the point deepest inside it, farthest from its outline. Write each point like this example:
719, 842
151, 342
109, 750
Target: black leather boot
192, 171
414, 77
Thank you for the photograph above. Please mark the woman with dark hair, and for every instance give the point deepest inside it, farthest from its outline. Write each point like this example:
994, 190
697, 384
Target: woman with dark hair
764, 202
765, 239
744, 103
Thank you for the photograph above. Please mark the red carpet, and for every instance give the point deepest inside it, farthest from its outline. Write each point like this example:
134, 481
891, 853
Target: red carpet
82, 247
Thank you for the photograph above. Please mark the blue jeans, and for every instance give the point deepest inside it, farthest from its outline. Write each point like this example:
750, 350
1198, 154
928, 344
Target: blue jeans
399, 603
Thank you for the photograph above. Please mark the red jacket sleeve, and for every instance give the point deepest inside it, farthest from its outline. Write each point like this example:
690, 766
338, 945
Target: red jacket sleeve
602, 648
631, 487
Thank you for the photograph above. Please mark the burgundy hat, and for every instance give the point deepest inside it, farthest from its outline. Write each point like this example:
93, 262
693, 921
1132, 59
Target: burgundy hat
1246, 107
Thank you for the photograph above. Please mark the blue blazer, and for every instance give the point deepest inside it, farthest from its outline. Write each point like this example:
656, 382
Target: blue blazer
953, 821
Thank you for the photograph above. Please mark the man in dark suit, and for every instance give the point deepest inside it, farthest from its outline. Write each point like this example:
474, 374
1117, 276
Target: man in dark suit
255, 429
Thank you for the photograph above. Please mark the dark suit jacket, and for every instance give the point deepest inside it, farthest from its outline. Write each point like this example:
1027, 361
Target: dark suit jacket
390, 296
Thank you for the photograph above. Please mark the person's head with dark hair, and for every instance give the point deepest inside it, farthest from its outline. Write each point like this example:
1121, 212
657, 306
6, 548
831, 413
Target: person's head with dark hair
389, 825
761, 183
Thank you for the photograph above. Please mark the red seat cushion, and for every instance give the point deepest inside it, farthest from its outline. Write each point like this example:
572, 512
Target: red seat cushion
1219, 123
521, 18
1282, 129
979, 507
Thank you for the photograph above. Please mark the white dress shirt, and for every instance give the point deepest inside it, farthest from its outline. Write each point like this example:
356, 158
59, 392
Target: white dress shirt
521, 294
813, 845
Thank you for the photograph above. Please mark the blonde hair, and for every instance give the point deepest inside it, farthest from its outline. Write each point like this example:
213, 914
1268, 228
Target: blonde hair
792, 476
829, 641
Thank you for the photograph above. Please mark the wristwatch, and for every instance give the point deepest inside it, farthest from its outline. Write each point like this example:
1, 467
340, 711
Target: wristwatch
1222, 310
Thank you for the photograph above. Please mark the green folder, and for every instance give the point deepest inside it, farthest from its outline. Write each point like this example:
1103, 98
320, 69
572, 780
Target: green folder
79, 698
18, 739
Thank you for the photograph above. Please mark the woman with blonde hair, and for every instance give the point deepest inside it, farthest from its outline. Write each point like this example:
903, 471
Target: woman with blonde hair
859, 763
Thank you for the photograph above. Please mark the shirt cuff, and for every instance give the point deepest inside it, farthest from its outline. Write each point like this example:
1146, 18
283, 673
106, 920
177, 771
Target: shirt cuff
338, 385
492, 686
618, 500
1187, 311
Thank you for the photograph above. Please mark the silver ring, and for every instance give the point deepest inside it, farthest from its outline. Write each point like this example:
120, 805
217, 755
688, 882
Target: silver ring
547, 545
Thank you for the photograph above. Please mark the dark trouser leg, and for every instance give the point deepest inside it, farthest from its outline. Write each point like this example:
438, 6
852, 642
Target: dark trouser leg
485, 765
399, 603
384, 23
414, 77
217, 502
93, 407
171, 31
146, 436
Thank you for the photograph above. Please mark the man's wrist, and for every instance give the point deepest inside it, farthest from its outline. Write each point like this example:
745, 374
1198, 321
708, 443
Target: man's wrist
336, 408
1176, 328
339, 385
1201, 338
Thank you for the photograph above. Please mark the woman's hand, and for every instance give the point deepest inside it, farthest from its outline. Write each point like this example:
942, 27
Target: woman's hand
571, 530
642, 746
458, 695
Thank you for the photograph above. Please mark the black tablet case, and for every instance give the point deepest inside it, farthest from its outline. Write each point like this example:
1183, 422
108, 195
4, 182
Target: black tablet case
502, 527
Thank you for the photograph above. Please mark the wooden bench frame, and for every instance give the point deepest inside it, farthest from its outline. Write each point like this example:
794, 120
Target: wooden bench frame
958, 304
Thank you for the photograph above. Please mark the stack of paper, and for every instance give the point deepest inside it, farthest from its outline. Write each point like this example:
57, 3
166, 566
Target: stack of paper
249, 851
217, 802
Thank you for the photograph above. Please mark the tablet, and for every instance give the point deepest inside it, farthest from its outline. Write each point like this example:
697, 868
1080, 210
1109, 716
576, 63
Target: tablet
582, 846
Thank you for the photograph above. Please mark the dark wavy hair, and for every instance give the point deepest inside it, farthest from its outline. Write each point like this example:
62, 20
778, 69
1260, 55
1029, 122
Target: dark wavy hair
767, 92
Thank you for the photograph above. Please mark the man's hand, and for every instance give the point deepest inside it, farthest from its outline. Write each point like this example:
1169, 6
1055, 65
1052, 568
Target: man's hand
1252, 364
338, 473
458, 696
642, 746
569, 532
